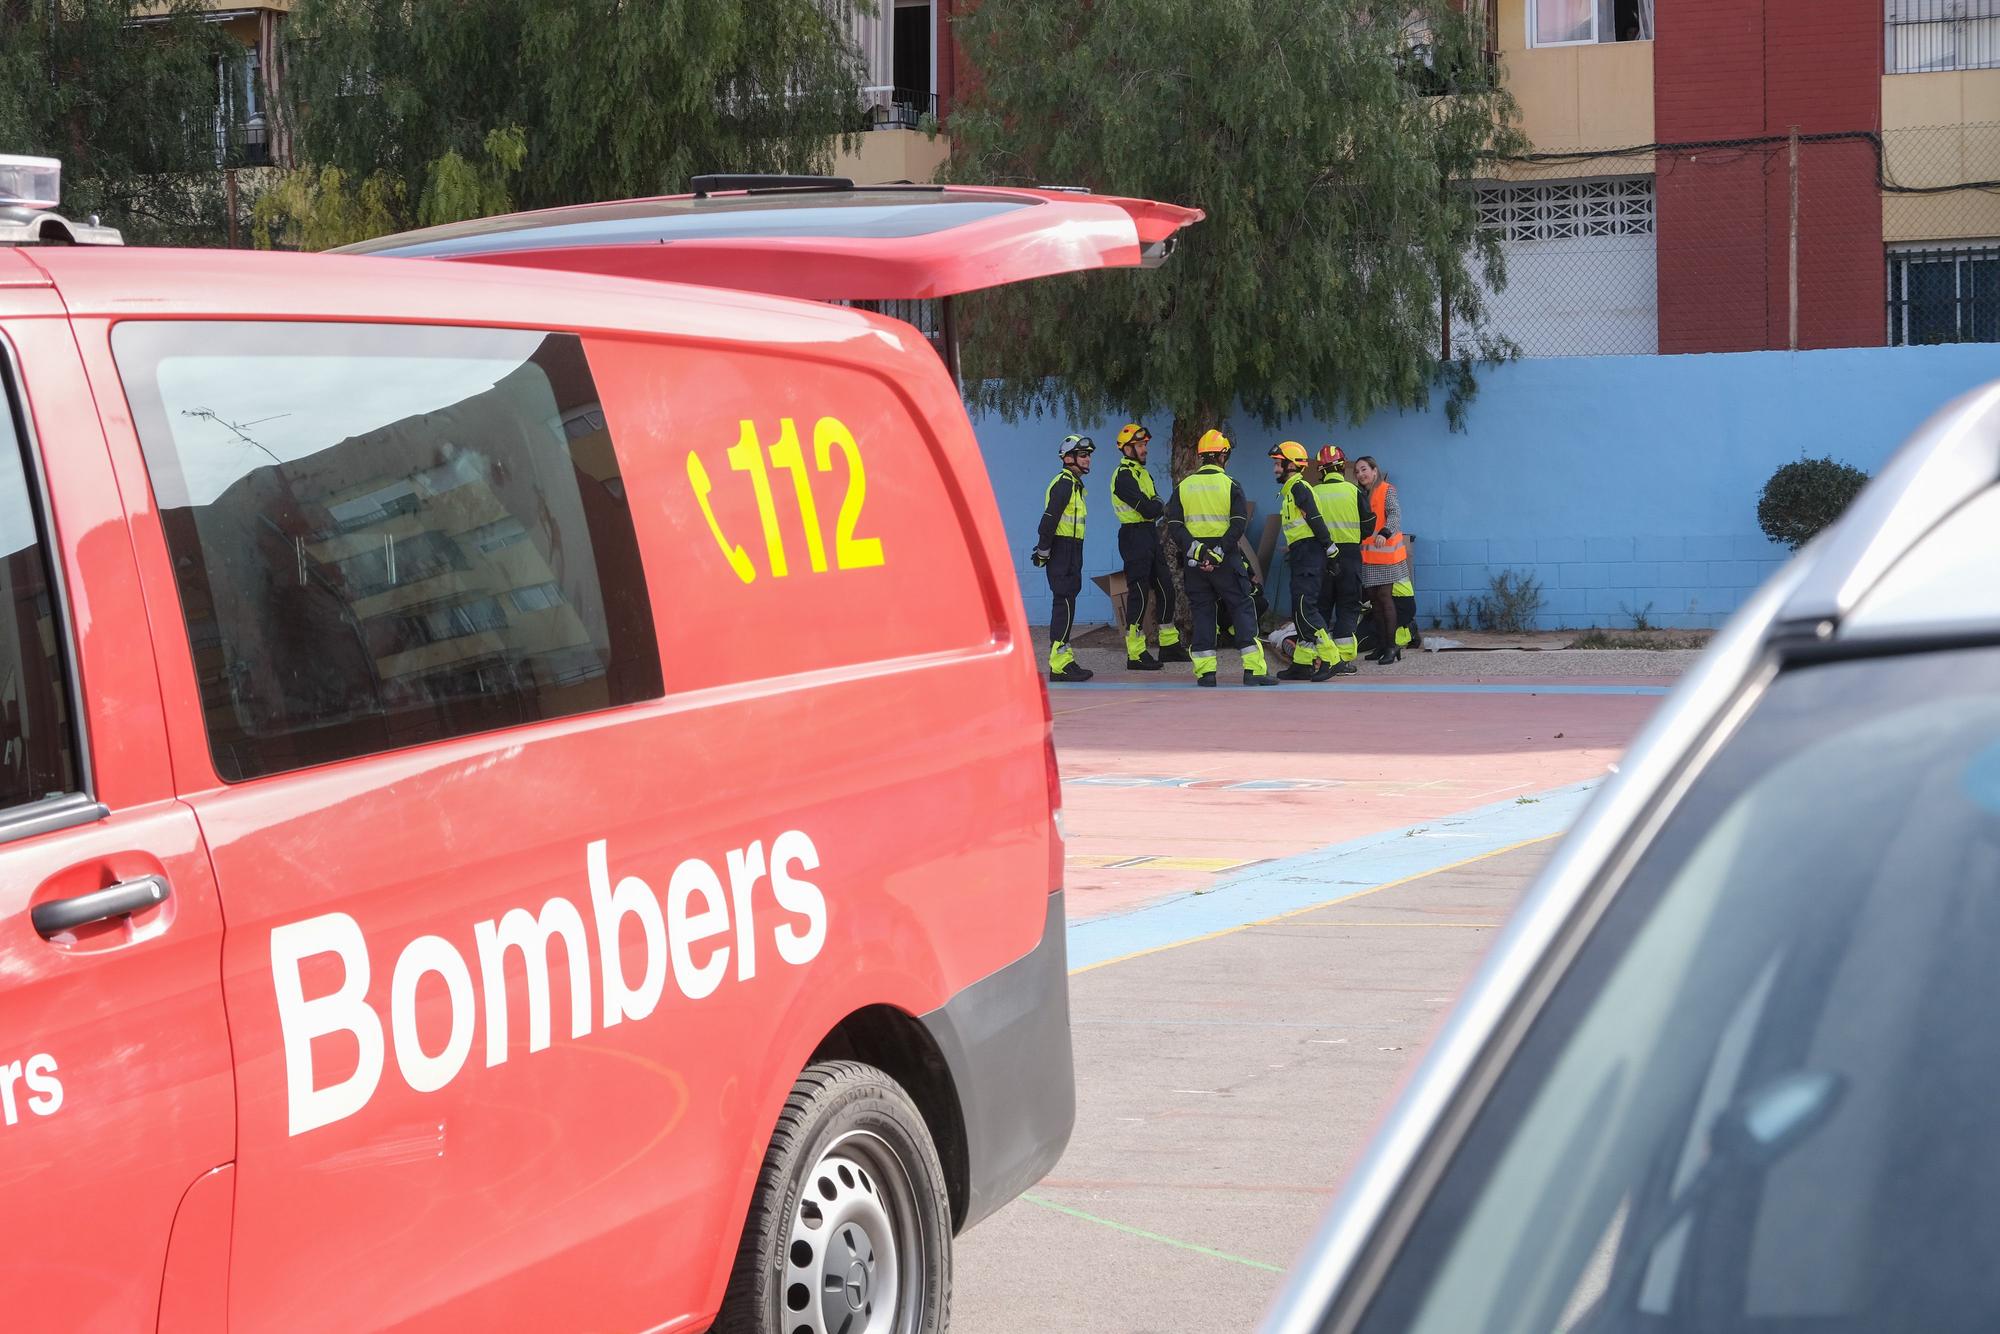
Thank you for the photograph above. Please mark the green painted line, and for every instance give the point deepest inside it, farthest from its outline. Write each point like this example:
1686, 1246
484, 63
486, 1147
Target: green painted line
1127, 1228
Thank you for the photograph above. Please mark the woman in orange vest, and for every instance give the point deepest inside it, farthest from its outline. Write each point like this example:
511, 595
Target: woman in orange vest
1385, 556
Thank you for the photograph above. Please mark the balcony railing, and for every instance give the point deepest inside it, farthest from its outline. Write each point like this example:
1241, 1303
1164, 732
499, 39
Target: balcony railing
887, 108
246, 145
1929, 35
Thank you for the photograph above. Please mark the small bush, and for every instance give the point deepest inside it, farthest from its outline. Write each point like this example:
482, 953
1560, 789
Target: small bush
1508, 606
1803, 497
1511, 606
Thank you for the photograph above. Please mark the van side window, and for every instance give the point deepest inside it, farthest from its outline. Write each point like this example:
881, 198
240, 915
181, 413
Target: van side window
385, 535
38, 751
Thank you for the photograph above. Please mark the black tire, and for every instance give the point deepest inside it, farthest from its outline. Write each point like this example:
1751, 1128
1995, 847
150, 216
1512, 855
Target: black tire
851, 1148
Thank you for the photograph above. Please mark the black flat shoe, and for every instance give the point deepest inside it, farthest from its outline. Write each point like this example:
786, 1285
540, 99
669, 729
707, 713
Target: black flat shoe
1205, 679
1143, 663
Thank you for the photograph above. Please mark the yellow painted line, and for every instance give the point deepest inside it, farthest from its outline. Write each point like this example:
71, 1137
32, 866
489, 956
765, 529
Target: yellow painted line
1131, 862
1342, 926
1129, 1230
1316, 907
1086, 708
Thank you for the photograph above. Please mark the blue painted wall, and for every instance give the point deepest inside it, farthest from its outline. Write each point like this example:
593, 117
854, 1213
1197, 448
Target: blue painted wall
1619, 482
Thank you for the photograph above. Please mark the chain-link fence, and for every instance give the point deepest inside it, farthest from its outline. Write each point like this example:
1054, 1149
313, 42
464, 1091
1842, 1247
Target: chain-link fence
1815, 240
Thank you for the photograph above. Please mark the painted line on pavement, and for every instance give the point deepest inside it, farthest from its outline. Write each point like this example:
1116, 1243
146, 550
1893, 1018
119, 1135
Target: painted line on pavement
1389, 688
1290, 886
1129, 1230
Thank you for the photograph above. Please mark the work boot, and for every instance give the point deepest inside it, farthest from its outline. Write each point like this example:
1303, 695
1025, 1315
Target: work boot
1205, 679
1174, 653
1349, 667
1145, 662
1323, 672
1073, 671
1258, 679
1298, 671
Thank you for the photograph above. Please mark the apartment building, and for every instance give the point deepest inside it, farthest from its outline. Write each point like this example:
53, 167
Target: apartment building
908, 77
1733, 175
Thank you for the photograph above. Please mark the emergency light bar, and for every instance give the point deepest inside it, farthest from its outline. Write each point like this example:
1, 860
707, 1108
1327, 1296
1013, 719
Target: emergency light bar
30, 189
30, 182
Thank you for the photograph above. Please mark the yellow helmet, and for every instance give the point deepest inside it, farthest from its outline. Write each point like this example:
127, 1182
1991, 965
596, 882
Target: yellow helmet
1291, 451
1131, 432
1213, 442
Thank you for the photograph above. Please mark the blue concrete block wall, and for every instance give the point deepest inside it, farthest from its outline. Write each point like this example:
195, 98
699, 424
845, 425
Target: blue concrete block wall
1623, 484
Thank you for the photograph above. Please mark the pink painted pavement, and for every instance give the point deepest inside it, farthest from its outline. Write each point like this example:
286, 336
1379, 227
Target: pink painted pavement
1361, 763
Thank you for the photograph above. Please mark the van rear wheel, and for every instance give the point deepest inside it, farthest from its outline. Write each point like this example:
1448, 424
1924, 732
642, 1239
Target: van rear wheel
850, 1228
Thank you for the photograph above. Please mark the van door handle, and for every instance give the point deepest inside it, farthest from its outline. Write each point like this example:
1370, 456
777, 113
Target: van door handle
130, 896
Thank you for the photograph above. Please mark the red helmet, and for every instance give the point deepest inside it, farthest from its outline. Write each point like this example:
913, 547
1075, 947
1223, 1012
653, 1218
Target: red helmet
1330, 456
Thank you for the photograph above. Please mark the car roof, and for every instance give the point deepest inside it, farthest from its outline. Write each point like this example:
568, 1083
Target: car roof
1951, 459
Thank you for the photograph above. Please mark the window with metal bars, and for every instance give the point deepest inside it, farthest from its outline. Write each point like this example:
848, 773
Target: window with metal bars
1949, 295
1923, 36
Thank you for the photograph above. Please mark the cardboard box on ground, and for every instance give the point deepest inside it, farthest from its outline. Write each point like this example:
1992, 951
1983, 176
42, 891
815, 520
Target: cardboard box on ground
1259, 555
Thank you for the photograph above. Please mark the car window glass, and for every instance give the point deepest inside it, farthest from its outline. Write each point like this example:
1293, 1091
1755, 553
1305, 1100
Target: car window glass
386, 535
38, 753
1764, 1075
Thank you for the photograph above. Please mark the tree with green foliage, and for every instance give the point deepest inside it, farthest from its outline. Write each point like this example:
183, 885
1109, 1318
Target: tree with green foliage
1326, 139
125, 94
604, 100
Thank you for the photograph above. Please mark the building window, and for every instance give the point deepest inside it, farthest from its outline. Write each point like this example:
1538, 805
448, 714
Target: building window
1927, 35
1582, 266
1620, 206
1944, 295
1585, 22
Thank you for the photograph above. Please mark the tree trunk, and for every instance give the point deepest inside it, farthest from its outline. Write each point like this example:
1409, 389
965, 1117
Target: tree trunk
1188, 430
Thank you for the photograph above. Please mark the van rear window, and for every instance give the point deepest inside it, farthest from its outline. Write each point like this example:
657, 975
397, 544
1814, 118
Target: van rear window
387, 535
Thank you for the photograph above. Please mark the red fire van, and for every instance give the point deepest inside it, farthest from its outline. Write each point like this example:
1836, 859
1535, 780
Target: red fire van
526, 800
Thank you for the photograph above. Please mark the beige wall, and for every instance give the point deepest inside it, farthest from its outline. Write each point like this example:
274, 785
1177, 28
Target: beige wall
1577, 96
892, 155
1940, 129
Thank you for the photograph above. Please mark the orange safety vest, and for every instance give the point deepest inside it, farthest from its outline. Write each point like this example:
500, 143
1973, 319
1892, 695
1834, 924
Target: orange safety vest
1377, 550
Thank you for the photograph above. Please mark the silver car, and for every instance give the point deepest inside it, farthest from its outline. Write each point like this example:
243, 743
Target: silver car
1735, 1064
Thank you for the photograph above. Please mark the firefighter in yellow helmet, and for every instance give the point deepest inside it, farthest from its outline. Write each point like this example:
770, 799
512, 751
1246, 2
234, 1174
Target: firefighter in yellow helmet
1206, 519
1308, 548
1340, 590
1059, 550
1147, 579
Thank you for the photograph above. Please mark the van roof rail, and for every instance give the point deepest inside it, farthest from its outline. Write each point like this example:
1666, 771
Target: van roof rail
704, 186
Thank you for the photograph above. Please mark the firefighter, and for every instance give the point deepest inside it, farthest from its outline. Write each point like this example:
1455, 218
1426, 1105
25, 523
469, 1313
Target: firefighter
1206, 519
1340, 588
1407, 634
1308, 548
1138, 509
1059, 550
